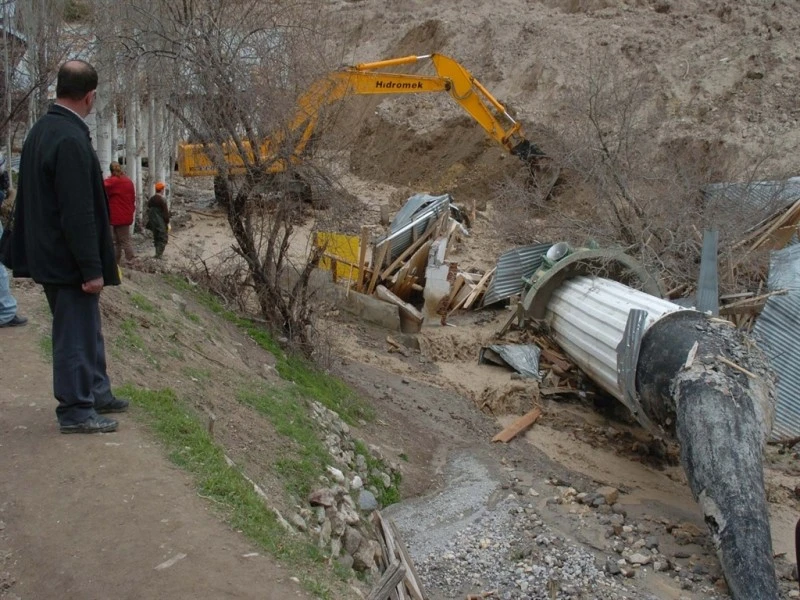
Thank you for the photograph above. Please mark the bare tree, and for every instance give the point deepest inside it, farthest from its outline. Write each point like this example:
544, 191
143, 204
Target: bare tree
229, 72
623, 185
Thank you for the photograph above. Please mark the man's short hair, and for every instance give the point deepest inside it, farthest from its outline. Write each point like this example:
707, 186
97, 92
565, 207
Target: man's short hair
76, 78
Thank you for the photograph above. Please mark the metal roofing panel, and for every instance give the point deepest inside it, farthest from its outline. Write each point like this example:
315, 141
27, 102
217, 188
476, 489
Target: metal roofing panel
762, 195
708, 282
777, 330
412, 220
784, 268
512, 266
523, 358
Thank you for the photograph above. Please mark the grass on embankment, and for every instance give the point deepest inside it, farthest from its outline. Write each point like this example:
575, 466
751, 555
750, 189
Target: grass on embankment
190, 446
309, 379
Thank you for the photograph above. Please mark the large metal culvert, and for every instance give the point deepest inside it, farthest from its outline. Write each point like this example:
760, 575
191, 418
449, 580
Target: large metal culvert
686, 375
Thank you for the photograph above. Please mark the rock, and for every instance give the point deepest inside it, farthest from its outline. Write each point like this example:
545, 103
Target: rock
386, 480
337, 475
347, 500
612, 568
179, 301
282, 522
618, 509
598, 501
651, 542
361, 463
364, 559
628, 572
639, 559
617, 519
337, 522
322, 497
794, 594
357, 483
367, 501
660, 566
349, 515
352, 540
609, 494
325, 534
345, 561
299, 522
786, 571
336, 546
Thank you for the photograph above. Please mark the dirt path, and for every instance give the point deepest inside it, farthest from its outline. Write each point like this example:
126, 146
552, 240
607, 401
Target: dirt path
106, 516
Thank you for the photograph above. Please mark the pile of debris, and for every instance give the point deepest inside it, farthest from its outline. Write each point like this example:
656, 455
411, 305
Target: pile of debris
408, 266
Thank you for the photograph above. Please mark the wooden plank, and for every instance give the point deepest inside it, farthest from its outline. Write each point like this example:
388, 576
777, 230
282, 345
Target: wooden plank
551, 391
362, 257
412, 579
388, 582
478, 288
377, 264
556, 359
732, 364
518, 426
384, 294
749, 305
408, 251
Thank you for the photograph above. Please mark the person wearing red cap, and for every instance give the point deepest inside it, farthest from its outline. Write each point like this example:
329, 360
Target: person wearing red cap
121, 209
158, 219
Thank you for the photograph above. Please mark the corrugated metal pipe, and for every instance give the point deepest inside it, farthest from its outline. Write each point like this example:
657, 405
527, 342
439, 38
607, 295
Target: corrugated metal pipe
688, 375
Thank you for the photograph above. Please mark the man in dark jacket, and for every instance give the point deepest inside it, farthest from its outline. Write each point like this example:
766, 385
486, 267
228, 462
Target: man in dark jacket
158, 219
62, 239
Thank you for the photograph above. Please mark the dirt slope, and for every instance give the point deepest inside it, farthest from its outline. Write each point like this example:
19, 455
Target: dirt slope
723, 75
105, 516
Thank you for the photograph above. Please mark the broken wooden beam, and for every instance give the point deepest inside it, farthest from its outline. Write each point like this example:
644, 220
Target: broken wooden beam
518, 426
387, 584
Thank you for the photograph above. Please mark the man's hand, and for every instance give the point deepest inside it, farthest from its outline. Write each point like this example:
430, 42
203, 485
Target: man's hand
93, 286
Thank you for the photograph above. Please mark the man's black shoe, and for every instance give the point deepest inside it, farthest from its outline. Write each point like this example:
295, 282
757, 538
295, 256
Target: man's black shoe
92, 425
117, 405
16, 321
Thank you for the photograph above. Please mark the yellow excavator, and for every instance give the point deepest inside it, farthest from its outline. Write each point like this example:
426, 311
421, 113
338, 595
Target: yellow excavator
366, 78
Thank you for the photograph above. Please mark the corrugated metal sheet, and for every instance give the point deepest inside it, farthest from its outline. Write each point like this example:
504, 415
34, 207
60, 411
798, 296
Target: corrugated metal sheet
588, 316
524, 359
412, 220
757, 200
708, 282
784, 269
777, 331
512, 266
762, 194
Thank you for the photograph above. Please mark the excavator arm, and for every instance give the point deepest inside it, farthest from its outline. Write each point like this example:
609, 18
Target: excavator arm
366, 79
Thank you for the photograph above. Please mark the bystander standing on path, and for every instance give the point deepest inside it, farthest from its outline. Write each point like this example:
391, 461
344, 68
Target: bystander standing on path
158, 219
121, 209
8, 304
62, 240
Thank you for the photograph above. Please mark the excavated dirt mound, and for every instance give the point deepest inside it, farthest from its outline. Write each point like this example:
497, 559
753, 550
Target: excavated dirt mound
457, 158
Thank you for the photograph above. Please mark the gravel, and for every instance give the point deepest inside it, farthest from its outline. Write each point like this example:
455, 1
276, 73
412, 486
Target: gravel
476, 537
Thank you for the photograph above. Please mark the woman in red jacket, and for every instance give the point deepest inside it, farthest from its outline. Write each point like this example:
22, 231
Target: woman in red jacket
121, 208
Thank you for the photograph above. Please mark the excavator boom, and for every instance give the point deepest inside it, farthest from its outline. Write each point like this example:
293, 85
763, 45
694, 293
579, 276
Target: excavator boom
364, 79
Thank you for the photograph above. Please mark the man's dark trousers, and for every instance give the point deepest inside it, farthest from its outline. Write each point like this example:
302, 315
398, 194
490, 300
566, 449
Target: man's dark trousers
80, 381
